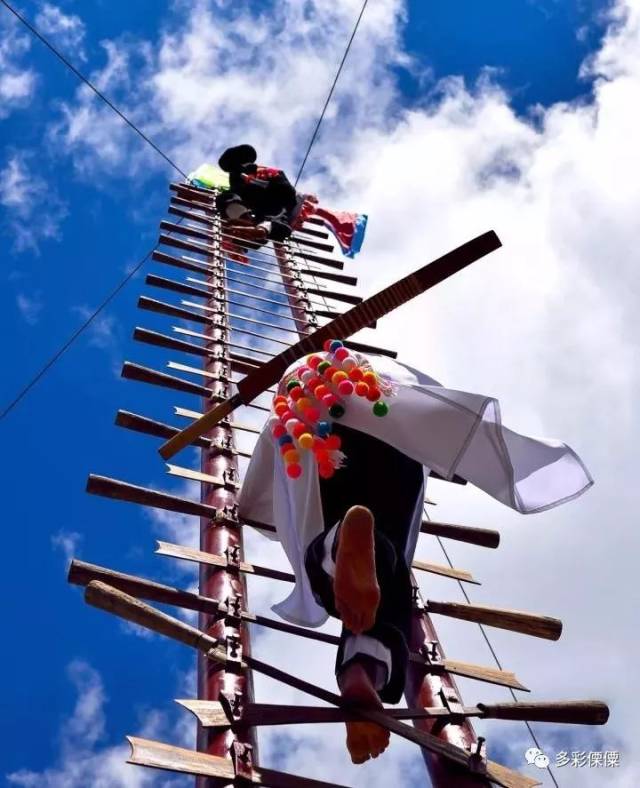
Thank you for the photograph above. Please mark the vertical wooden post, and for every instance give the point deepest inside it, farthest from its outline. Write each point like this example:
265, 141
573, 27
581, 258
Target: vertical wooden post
441, 691
222, 538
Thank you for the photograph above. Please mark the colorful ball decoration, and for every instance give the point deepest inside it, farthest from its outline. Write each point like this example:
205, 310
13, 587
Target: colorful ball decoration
305, 441
316, 394
374, 394
324, 428
338, 376
380, 408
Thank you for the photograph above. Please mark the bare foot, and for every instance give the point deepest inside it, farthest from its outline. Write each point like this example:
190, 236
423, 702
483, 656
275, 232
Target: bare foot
364, 739
355, 586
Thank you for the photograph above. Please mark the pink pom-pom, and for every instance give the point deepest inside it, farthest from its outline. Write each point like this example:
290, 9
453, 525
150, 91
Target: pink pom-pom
345, 387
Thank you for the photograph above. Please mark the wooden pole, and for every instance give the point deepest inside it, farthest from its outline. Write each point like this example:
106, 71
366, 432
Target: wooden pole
223, 538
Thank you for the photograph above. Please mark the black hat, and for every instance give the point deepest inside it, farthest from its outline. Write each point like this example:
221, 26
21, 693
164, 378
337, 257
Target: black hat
234, 158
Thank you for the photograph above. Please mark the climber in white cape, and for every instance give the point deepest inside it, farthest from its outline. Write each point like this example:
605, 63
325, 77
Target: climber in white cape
350, 531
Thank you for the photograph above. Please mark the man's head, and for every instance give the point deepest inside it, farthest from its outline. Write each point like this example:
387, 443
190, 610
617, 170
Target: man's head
241, 158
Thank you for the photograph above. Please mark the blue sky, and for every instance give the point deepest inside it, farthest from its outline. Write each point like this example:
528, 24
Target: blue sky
86, 221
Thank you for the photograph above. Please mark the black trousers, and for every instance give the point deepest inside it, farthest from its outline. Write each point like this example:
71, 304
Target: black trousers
388, 483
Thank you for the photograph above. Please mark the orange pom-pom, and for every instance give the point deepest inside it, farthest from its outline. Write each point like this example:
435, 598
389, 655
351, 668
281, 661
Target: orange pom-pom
356, 374
362, 389
322, 391
281, 408
306, 440
370, 377
291, 456
304, 403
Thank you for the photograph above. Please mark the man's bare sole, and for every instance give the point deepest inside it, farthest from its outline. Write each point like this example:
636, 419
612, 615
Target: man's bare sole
364, 739
355, 586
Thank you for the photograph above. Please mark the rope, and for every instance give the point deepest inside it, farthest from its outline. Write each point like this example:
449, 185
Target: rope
326, 103
88, 83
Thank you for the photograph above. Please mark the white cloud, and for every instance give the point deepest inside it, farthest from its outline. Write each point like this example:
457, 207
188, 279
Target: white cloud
548, 324
67, 542
34, 211
66, 30
17, 82
86, 759
29, 307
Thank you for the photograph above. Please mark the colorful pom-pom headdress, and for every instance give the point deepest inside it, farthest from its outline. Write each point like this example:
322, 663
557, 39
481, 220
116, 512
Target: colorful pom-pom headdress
313, 395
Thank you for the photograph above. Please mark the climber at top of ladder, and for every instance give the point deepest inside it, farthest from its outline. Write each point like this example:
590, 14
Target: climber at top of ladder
260, 205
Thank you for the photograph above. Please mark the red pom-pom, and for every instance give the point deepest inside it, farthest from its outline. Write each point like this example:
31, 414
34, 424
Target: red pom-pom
374, 394
341, 353
285, 448
286, 416
329, 399
322, 455
280, 408
280, 398
278, 430
299, 430
333, 442
326, 345
294, 470
322, 391
362, 389
295, 394
356, 374
318, 443
345, 387
325, 470
313, 384
329, 372
312, 414
313, 361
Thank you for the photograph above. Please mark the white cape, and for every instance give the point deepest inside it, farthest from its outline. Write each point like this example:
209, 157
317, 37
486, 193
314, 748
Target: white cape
450, 432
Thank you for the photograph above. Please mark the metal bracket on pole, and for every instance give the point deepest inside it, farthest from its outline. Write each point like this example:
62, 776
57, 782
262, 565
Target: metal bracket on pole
233, 705
478, 760
242, 757
234, 649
